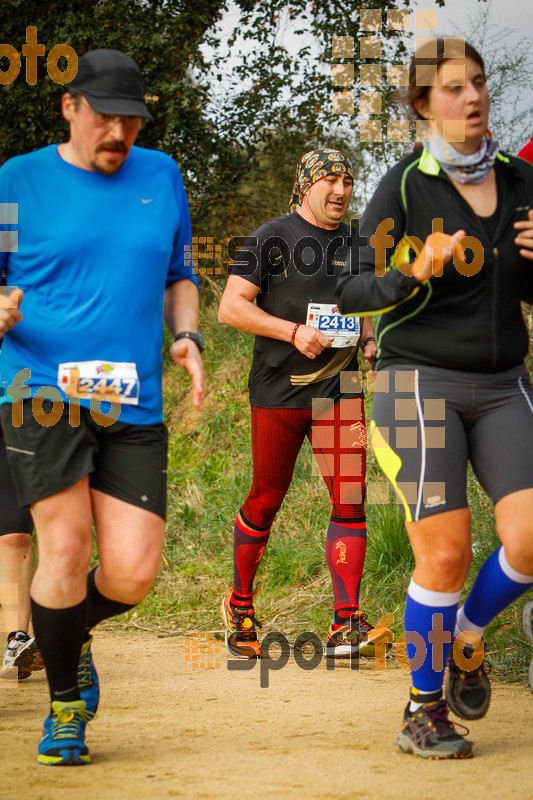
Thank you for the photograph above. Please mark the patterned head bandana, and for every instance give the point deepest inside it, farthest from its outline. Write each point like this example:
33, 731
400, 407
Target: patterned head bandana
312, 167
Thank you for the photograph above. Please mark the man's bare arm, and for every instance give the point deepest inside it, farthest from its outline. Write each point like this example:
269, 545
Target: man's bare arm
237, 308
370, 349
180, 312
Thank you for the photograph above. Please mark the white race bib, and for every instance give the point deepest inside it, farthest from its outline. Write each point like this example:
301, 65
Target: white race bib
110, 381
326, 317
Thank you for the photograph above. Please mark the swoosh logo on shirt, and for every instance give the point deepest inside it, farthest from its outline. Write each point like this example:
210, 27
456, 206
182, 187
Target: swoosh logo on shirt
151, 200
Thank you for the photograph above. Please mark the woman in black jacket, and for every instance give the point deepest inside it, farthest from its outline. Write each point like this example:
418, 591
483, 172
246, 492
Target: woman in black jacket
448, 259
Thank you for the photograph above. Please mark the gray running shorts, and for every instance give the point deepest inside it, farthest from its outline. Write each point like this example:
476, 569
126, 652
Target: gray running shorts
428, 422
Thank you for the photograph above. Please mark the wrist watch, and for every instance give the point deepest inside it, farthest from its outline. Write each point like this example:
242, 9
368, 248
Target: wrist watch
196, 337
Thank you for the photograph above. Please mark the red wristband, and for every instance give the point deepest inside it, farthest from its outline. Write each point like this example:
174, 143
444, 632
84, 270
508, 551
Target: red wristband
294, 331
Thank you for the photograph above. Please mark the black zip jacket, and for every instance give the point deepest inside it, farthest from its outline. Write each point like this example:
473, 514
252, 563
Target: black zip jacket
456, 321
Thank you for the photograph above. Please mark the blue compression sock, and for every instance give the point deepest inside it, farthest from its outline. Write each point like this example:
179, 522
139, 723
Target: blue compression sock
431, 615
496, 585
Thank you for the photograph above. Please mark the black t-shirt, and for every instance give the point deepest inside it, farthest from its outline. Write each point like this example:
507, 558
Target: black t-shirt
491, 223
294, 263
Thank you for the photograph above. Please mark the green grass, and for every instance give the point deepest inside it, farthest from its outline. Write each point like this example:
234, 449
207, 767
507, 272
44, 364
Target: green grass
209, 476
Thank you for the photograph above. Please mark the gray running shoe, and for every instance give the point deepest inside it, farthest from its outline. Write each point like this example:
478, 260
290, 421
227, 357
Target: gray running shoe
527, 620
428, 733
527, 624
468, 692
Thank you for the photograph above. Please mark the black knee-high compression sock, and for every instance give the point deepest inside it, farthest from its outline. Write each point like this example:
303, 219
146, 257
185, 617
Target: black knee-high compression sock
100, 607
60, 633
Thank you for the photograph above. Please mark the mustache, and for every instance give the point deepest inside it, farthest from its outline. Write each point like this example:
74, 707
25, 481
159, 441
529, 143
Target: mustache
118, 147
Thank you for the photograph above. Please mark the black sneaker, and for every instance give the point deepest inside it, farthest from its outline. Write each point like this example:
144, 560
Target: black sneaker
21, 657
468, 692
428, 733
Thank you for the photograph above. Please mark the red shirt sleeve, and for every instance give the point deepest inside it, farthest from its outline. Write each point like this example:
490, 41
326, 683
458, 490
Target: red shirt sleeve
527, 151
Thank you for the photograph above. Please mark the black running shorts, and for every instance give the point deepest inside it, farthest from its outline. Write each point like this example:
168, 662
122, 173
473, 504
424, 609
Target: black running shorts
13, 518
428, 422
125, 461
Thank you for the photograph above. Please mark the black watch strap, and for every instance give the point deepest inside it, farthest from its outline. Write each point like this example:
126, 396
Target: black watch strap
196, 337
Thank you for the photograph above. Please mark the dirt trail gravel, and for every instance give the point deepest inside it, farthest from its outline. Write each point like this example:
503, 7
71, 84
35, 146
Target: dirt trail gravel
168, 729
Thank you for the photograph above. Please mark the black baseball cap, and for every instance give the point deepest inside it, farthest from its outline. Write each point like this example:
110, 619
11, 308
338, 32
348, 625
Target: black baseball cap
111, 82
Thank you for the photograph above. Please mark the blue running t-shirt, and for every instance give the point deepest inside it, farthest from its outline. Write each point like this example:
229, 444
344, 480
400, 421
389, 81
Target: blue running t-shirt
95, 253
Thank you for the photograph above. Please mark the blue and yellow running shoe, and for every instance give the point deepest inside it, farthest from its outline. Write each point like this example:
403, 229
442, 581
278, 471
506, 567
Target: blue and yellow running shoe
88, 682
63, 740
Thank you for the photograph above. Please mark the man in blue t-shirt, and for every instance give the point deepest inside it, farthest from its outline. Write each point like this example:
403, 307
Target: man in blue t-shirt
92, 235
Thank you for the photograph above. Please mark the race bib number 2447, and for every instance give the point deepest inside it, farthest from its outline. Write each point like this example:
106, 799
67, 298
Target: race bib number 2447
111, 381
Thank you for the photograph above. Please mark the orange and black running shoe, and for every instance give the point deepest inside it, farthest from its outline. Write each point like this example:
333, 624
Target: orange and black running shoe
241, 638
357, 637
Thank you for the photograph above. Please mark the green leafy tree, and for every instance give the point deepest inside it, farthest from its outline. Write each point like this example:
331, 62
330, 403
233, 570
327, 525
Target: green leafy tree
271, 92
163, 36
235, 104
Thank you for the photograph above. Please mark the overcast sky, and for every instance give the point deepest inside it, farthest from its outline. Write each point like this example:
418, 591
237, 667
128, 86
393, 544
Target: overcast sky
517, 14
455, 18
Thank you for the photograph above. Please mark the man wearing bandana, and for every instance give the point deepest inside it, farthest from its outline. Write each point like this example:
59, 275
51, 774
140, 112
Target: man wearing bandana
303, 382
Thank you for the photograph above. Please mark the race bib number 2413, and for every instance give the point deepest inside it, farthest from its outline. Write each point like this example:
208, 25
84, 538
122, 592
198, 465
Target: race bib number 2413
326, 317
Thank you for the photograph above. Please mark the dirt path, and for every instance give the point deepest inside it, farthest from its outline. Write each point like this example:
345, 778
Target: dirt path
166, 729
